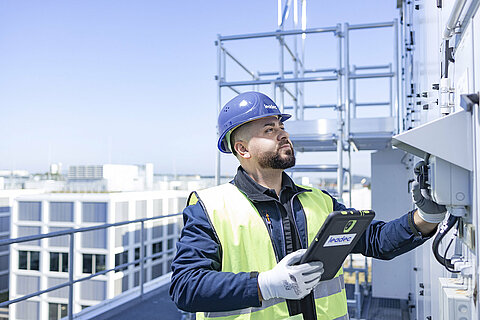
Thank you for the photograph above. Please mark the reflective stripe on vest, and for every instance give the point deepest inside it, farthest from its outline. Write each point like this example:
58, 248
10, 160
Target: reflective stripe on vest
246, 246
323, 289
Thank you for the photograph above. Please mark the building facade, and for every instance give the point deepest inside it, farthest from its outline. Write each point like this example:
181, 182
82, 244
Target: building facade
6, 204
38, 265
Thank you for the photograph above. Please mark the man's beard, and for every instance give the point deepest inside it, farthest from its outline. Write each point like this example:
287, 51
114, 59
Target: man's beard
274, 160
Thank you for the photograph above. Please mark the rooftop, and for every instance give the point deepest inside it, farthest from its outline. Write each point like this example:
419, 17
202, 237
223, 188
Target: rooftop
158, 302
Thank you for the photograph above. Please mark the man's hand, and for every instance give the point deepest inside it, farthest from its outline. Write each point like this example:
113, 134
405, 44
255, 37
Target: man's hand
428, 210
289, 281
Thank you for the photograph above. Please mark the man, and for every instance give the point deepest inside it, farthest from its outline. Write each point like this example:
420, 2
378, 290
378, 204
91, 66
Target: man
241, 241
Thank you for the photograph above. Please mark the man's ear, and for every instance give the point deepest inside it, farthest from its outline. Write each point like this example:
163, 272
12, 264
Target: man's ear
241, 149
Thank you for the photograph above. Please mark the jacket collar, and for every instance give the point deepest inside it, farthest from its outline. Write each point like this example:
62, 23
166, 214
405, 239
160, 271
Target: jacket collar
256, 192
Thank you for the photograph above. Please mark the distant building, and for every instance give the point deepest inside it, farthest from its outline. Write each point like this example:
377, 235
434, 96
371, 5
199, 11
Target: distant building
13, 179
40, 264
6, 203
109, 178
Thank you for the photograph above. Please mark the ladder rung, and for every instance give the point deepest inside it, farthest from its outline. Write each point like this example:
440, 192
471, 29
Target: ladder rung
372, 75
371, 104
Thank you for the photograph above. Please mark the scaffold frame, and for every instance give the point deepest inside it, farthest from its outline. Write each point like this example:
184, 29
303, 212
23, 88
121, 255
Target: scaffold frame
344, 74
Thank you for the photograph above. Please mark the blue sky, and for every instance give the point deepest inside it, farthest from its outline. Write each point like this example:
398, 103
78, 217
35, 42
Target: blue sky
92, 82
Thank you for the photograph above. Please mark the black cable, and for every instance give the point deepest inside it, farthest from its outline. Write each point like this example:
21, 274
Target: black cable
444, 228
446, 250
422, 172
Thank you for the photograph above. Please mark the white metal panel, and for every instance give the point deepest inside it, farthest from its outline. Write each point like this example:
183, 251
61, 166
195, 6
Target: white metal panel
463, 76
390, 200
449, 138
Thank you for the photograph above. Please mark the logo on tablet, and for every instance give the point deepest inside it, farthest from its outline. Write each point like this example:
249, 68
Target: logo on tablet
349, 226
339, 240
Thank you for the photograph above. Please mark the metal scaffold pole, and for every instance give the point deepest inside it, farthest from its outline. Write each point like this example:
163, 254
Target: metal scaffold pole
219, 103
295, 60
343, 123
281, 102
396, 108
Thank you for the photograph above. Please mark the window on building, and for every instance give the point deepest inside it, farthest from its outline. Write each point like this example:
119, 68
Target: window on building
95, 239
26, 310
57, 311
170, 228
136, 277
121, 258
138, 235
59, 261
4, 263
140, 209
157, 230
94, 212
30, 210
121, 236
6, 247
61, 211
182, 203
170, 244
4, 223
157, 247
157, 270
169, 264
29, 260
59, 241
137, 254
157, 207
93, 263
24, 231
121, 211
93, 290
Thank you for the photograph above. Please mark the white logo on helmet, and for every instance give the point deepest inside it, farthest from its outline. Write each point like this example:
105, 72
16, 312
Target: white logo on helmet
270, 106
243, 103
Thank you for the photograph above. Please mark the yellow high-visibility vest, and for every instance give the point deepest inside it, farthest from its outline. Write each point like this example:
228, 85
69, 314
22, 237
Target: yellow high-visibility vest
246, 246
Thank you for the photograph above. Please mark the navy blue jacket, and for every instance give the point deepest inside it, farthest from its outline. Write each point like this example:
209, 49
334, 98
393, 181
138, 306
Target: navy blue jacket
198, 286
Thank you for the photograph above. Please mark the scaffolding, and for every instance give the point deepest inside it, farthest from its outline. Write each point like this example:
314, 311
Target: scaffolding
342, 134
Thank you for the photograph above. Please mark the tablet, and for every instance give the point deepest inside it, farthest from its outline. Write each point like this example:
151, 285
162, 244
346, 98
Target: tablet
336, 239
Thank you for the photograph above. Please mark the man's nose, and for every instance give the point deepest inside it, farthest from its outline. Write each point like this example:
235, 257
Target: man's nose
283, 135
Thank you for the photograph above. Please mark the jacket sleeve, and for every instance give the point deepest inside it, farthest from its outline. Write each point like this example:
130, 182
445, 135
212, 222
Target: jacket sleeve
385, 240
197, 284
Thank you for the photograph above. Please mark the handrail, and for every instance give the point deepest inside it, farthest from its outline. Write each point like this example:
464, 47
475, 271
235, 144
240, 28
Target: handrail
71, 232
76, 230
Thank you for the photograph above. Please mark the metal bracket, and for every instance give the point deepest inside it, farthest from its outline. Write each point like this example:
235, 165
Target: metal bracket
467, 101
447, 57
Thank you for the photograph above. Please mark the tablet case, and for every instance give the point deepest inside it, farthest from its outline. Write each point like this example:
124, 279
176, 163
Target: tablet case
336, 239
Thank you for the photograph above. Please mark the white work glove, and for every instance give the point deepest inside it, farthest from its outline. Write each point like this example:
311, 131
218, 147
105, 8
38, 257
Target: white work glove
428, 210
289, 281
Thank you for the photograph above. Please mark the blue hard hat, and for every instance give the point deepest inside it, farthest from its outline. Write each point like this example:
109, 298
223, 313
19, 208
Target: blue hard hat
243, 108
